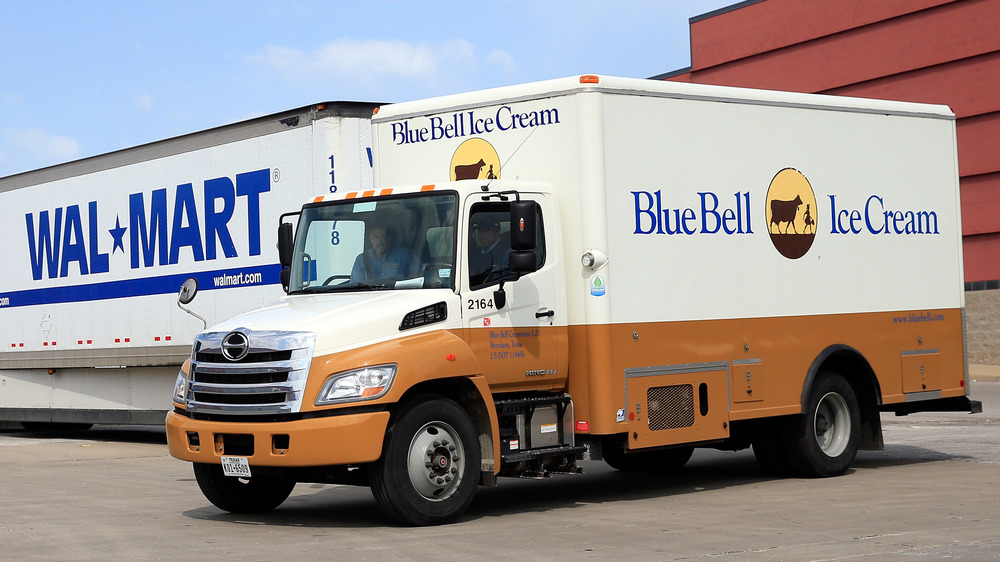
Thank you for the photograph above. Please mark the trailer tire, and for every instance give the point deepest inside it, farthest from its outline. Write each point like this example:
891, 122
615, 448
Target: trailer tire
430, 463
666, 460
241, 495
824, 440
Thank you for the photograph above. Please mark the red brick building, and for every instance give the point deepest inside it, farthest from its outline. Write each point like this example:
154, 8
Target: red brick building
935, 51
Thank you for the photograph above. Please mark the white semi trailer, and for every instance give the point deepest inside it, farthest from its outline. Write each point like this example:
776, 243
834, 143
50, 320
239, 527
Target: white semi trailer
95, 250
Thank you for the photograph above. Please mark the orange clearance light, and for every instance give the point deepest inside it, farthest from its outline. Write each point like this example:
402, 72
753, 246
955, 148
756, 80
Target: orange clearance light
320, 107
374, 391
450, 357
375, 111
590, 79
582, 425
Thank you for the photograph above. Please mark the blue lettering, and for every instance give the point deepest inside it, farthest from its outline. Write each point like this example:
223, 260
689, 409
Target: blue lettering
640, 212
98, 261
180, 235
251, 185
868, 215
707, 212
48, 243
149, 233
73, 248
879, 220
217, 220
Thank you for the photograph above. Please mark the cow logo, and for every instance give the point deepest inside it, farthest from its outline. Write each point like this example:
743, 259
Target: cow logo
235, 346
791, 213
475, 159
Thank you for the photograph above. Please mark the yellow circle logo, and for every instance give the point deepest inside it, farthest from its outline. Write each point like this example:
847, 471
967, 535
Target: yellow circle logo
791, 213
475, 159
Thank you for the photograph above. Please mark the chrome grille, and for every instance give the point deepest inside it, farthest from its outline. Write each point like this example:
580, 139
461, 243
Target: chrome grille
270, 379
670, 407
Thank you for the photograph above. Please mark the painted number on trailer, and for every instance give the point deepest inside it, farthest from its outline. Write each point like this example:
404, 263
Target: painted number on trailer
333, 180
480, 304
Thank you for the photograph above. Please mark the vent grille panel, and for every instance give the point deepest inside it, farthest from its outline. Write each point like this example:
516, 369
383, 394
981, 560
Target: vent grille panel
670, 407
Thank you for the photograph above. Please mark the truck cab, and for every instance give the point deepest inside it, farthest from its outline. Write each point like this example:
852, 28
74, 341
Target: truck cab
403, 306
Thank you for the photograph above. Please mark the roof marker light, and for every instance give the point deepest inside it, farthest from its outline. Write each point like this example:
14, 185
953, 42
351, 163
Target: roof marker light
590, 79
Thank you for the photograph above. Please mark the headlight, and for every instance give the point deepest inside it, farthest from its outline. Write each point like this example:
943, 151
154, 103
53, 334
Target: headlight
360, 384
180, 388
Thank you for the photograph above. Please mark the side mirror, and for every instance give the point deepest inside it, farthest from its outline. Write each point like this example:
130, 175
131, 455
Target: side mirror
188, 290
523, 235
285, 241
522, 261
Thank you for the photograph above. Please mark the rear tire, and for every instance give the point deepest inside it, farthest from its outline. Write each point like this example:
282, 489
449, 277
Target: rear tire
241, 495
666, 460
430, 463
824, 440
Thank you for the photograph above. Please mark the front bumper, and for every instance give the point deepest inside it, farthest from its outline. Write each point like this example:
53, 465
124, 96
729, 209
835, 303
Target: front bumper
334, 440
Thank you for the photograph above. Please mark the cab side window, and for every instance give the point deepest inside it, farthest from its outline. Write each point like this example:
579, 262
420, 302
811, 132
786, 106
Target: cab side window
489, 243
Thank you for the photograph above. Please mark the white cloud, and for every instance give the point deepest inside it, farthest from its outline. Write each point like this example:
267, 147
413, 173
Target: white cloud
145, 101
371, 58
41, 145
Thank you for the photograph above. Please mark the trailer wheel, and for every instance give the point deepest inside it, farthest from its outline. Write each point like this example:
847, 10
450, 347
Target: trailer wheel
241, 495
666, 460
429, 468
823, 441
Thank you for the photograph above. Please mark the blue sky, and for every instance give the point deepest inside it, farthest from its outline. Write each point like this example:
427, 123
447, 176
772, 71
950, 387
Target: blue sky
80, 78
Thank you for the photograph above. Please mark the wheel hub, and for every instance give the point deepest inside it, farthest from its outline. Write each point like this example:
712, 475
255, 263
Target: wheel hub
435, 465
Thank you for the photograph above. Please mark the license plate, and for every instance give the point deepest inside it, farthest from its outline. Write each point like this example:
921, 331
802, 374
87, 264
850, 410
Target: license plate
236, 466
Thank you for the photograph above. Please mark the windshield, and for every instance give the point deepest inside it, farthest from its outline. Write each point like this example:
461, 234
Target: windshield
405, 242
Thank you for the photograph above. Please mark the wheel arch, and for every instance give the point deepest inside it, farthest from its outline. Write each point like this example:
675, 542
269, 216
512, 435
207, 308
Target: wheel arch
472, 394
852, 365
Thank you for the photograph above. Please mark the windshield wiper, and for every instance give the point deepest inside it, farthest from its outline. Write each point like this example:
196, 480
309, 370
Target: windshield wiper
337, 288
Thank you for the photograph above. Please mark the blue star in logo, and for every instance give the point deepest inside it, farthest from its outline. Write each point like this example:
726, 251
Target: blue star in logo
118, 232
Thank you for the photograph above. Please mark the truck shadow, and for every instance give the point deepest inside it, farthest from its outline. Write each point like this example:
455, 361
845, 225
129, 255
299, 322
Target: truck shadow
328, 506
153, 434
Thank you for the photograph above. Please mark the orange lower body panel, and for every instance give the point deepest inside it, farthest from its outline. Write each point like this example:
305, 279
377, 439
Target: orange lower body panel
334, 440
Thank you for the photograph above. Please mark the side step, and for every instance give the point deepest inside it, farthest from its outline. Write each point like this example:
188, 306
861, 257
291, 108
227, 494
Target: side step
536, 436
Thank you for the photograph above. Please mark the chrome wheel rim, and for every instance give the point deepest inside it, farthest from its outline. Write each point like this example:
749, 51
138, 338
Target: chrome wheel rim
436, 461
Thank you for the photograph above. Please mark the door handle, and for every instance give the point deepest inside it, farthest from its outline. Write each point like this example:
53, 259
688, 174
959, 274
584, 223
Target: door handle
544, 312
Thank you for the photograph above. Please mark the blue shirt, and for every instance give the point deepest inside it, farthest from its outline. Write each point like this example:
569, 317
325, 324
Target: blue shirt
395, 264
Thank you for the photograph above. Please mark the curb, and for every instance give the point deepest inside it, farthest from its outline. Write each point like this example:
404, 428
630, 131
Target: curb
984, 373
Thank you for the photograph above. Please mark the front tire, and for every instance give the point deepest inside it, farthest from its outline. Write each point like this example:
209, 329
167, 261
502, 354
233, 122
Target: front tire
241, 495
824, 440
430, 463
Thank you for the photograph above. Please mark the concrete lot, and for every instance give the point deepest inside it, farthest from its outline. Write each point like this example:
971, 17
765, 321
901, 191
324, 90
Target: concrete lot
115, 493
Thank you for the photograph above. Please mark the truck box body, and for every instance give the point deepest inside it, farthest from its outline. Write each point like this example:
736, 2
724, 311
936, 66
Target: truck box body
97, 249
674, 184
599, 266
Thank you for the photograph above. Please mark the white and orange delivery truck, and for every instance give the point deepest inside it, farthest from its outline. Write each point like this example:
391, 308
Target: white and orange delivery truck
592, 268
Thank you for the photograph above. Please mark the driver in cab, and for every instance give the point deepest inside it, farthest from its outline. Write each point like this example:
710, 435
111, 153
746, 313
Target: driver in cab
382, 260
